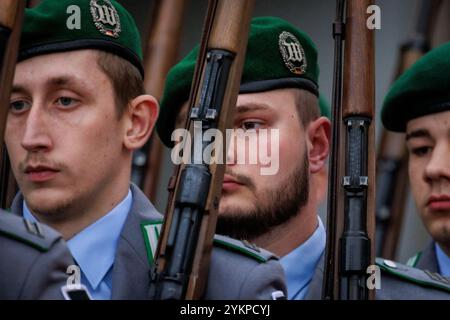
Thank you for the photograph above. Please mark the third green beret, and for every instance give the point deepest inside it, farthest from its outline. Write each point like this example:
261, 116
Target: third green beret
423, 89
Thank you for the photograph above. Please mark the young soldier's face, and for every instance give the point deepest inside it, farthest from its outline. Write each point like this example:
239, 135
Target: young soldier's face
63, 135
253, 203
428, 141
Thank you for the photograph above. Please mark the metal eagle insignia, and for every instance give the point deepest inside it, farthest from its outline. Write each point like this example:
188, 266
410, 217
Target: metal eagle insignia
292, 53
105, 17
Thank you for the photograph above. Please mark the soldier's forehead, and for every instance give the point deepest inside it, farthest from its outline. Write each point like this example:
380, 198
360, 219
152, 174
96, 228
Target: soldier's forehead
431, 124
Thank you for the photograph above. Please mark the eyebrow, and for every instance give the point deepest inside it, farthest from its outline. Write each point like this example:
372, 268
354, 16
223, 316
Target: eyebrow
252, 107
18, 89
419, 133
58, 81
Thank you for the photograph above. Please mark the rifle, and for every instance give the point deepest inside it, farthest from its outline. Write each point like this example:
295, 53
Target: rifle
160, 55
186, 240
11, 16
392, 173
351, 215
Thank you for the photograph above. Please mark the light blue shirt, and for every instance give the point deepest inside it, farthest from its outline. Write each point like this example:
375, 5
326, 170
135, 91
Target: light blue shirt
443, 261
299, 265
94, 248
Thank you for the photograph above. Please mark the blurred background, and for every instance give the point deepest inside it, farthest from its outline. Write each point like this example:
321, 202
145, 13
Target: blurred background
399, 21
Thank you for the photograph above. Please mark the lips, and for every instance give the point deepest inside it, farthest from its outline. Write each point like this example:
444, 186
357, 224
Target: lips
439, 202
230, 184
40, 173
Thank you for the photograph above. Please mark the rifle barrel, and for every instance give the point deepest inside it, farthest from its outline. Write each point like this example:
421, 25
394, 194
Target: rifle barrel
185, 246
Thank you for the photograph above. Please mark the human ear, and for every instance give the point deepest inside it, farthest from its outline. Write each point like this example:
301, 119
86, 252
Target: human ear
141, 118
318, 133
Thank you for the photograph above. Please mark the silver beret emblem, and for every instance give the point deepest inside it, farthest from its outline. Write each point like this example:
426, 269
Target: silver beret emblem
292, 52
105, 17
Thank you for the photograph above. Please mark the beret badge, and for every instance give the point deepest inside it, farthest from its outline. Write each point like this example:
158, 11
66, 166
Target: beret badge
292, 52
105, 17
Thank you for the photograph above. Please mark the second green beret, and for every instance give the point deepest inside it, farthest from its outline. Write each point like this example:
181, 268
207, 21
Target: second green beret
278, 56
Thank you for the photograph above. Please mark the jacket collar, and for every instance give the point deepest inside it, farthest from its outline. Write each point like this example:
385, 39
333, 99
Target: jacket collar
428, 260
131, 269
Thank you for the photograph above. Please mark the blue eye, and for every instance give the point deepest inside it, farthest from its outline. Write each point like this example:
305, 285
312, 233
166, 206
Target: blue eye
65, 101
19, 106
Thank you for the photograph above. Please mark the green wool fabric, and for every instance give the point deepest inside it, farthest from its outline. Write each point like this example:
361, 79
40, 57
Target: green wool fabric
65, 25
422, 90
278, 56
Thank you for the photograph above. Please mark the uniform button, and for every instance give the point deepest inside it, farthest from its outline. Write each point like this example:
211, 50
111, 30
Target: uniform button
390, 264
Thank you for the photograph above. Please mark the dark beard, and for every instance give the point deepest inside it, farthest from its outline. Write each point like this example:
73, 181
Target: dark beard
275, 207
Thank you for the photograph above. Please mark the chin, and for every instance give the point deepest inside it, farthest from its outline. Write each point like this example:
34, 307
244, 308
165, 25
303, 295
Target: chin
440, 230
47, 201
235, 209
236, 202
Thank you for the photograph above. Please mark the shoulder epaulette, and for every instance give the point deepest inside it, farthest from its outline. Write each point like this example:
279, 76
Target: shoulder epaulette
412, 262
244, 247
31, 233
420, 277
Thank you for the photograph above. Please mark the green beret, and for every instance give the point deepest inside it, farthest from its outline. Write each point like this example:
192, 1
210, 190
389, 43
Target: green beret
423, 89
325, 108
65, 25
278, 56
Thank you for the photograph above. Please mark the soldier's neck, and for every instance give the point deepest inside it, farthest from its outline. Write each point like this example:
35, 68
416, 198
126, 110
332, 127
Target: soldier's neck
84, 212
284, 238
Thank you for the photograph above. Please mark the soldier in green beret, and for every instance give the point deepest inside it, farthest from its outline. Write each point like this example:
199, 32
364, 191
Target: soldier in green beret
279, 91
78, 110
418, 104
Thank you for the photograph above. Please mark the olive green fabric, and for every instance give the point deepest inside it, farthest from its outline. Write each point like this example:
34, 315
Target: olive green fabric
64, 25
325, 108
423, 89
278, 56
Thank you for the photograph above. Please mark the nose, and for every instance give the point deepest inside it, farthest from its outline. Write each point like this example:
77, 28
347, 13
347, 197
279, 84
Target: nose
439, 165
36, 132
231, 151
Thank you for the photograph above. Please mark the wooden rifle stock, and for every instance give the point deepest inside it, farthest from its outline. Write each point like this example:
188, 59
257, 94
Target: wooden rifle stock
11, 16
184, 249
351, 215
